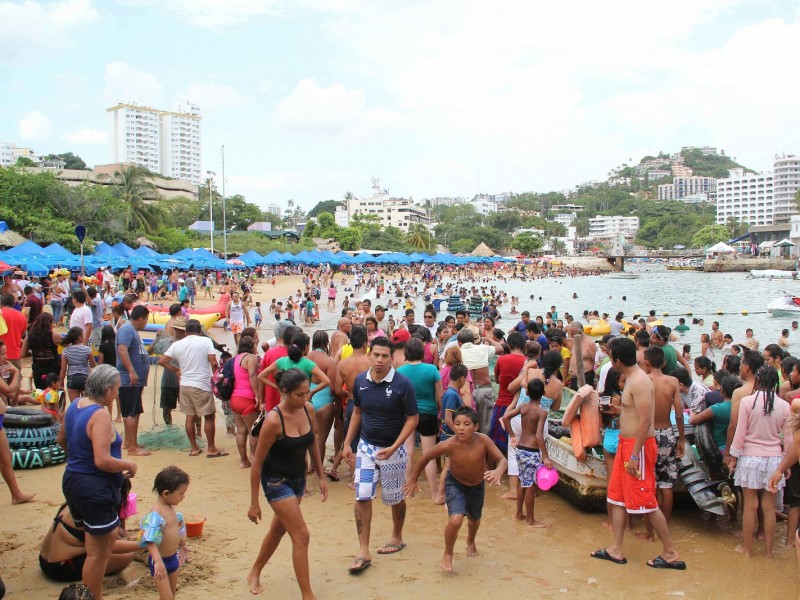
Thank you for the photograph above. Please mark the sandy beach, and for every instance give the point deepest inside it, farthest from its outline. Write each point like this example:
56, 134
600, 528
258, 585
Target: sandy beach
551, 563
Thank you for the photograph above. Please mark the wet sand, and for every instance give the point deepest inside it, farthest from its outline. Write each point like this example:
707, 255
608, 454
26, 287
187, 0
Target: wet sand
550, 563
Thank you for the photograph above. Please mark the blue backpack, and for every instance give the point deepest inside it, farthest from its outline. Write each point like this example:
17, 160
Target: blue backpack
224, 382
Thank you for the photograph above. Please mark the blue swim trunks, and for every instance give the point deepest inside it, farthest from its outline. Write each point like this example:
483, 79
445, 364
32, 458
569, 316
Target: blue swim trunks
171, 563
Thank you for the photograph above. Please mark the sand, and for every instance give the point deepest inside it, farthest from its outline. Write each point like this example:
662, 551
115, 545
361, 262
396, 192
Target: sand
514, 560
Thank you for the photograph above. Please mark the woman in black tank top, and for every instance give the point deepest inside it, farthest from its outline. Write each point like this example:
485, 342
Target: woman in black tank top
286, 436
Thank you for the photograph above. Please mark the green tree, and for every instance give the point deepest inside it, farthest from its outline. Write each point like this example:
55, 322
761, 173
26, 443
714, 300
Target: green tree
349, 238
528, 243
132, 184
506, 221
418, 236
311, 229
184, 211
24, 161
71, 161
710, 235
328, 206
239, 213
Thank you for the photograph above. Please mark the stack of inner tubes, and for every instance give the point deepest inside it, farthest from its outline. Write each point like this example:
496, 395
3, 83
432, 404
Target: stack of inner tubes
32, 435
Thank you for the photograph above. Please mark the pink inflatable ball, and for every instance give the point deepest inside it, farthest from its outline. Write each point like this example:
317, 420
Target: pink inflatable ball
546, 477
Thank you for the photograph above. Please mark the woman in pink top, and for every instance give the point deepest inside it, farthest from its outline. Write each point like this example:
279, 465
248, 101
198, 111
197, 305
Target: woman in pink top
243, 402
756, 451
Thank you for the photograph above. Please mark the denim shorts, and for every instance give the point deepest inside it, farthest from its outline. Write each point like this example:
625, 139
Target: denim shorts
280, 488
463, 499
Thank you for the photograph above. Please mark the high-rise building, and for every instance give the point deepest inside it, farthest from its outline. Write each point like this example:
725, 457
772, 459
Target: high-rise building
162, 141
746, 197
275, 209
180, 143
786, 174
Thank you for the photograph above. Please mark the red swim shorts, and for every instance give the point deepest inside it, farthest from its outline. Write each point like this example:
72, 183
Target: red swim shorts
636, 494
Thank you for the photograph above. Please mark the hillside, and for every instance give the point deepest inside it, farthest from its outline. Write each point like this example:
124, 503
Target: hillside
712, 165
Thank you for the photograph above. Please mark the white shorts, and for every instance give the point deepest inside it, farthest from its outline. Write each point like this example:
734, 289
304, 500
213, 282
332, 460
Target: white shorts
390, 472
516, 427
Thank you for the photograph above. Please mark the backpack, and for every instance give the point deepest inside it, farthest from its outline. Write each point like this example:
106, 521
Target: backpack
224, 381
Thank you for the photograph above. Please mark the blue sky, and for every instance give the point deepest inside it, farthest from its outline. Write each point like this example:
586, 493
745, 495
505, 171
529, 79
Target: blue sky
312, 98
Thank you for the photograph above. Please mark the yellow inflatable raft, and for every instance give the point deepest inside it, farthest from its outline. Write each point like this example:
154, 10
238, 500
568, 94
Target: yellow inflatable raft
207, 321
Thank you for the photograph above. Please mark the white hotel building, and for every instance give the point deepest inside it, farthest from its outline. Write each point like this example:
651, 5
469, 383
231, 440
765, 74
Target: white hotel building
162, 141
391, 212
760, 199
786, 173
606, 227
746, 197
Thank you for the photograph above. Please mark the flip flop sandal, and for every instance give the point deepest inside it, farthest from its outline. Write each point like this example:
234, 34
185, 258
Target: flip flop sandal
603, 554
359, 565
391, 548
660, 563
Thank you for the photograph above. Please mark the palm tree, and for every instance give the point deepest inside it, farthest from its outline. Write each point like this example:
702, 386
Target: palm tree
558, 246
418, 236
132, 184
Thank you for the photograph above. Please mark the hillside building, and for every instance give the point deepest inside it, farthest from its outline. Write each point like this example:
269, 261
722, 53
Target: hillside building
164, 142
681, 187
391, 212
605, 227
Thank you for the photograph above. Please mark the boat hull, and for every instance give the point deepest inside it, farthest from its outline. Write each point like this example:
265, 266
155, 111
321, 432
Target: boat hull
783, 307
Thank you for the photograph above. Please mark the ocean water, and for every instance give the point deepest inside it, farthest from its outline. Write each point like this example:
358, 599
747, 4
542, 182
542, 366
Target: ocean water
711, 296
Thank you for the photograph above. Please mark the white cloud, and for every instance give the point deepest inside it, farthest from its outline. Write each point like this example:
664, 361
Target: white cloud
34, 126
126, 83
536, 94
212, 96
332, 110
279, 186
86, 136
219, 15
31, 30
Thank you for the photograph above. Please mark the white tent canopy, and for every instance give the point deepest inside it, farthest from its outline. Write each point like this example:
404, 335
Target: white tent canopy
720, 248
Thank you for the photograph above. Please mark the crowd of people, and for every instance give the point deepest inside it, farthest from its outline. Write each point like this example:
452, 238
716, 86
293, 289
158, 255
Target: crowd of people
475, 395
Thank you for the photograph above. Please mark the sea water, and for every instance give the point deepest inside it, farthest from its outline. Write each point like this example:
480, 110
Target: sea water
722, 297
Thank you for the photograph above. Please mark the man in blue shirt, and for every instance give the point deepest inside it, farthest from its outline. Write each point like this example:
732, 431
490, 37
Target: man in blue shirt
385, 408
523, 324
133, 365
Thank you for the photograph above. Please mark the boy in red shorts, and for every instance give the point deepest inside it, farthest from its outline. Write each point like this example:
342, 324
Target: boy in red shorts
632, 483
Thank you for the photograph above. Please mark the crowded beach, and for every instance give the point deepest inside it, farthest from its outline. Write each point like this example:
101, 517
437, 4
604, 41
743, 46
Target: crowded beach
470, 411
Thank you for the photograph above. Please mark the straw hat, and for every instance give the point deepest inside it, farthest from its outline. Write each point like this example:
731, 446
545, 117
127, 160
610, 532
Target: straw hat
179, 323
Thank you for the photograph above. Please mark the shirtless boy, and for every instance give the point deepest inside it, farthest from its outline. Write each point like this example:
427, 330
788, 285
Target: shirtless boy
468, 452
632, 483
530, 448
667, 398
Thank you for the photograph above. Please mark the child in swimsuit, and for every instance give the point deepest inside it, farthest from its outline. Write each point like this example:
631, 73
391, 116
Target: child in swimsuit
50, 396
163, 531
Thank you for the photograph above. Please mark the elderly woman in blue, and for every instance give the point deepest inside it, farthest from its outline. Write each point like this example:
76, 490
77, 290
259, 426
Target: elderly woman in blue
163, 531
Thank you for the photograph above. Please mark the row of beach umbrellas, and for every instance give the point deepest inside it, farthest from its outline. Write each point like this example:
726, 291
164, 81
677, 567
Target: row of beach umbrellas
39, 261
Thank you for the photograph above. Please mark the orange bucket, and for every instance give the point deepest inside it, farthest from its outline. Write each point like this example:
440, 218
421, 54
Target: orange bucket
194, 526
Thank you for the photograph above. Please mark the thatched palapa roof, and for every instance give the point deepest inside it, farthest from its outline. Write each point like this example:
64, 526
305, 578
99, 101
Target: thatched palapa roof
9, 239
482, 250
